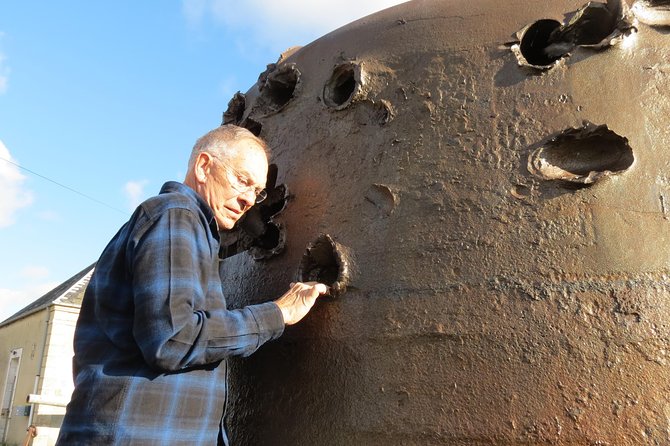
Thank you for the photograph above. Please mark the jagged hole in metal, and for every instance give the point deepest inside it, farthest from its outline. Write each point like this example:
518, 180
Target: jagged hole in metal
253, 126
280, 87
654, 3
590, 26
583, 157
654, 13
235, 111
341, 87
536, 39
595, 25
324, 262
270, 239
256, 231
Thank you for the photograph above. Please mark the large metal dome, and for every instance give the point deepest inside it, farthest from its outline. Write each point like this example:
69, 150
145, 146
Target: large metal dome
486, 187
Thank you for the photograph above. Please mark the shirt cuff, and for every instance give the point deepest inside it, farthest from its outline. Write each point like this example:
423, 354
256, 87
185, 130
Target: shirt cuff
269, 319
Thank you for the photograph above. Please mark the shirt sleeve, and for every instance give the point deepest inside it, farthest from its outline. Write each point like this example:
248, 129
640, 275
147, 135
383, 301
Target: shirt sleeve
180, 319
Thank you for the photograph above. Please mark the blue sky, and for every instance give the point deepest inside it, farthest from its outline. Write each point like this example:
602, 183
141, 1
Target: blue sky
106, 99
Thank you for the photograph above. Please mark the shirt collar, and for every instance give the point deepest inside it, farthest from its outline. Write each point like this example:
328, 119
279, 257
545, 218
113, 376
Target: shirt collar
175, 186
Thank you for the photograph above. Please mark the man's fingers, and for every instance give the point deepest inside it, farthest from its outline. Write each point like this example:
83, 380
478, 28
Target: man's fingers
321, 288
299, 299
315, 286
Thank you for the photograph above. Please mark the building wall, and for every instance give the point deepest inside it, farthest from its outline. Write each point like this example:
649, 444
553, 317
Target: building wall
45, 369
26, 334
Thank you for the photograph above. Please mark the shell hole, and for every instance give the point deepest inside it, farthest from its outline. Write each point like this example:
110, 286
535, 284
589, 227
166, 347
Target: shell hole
582, 155
326, 261
235, 111
270, 239
654, 13
593, 23
253, 126
535, 41
280, 87
341, 87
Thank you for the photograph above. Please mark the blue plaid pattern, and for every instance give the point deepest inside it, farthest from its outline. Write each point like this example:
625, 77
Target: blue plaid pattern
154, 332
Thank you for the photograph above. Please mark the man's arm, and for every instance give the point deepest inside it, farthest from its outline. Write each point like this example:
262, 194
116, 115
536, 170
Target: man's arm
177, 322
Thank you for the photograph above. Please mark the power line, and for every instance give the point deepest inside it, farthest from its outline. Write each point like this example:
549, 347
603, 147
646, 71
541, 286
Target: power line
65, 187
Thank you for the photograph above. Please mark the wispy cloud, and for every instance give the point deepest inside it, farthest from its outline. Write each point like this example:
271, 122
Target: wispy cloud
285, 23
14, 196
4, 69
295, 15
135, 192
4, 78
13, 300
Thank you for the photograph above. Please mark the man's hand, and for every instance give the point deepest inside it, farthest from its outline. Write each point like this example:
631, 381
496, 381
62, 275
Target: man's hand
299, 299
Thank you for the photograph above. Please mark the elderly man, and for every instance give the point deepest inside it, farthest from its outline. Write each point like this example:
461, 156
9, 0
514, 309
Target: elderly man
154, 330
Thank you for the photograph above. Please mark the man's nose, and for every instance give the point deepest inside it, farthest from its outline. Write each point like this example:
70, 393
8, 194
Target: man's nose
248, 198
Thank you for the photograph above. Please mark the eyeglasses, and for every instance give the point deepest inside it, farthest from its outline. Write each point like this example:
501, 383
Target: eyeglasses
241, 183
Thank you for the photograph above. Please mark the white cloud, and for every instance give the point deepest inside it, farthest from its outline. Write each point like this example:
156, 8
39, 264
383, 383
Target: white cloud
14, 300
135, 192
269, 22
297, 15
13, 196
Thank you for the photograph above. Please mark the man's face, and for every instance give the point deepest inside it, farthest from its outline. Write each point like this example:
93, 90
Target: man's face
232, 184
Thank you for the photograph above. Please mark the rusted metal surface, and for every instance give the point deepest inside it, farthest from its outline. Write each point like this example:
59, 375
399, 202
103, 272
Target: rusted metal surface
509, 224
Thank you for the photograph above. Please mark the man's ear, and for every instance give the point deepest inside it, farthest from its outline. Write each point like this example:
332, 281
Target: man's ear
202, 166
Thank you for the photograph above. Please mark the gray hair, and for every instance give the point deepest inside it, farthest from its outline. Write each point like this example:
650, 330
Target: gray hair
221, 142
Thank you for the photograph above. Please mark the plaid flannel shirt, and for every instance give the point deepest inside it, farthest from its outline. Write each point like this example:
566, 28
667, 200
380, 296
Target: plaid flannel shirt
154, 331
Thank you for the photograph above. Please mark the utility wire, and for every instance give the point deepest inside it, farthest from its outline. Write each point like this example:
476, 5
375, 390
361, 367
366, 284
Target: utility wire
65, 187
